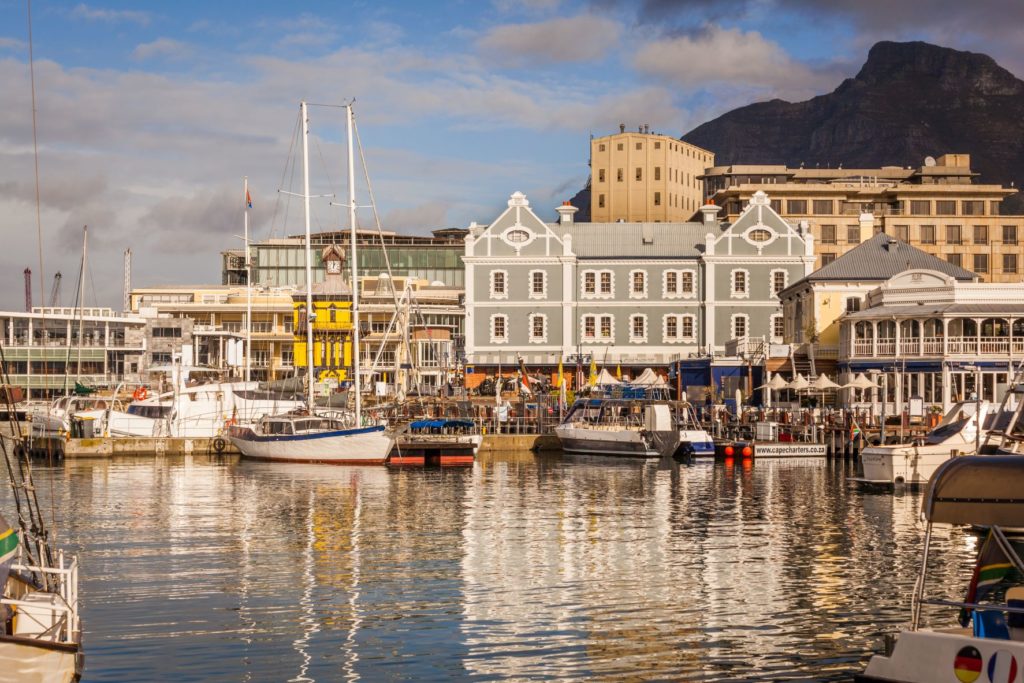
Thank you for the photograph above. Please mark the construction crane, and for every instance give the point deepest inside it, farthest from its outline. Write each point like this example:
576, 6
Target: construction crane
55, 291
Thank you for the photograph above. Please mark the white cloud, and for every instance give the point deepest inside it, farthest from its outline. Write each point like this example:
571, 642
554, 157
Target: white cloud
83, 11
12, 44
585, 37
730, 56
527, 5
166, 48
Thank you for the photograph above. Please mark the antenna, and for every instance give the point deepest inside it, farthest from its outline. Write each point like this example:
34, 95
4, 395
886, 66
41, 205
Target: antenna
127, 294
28, 290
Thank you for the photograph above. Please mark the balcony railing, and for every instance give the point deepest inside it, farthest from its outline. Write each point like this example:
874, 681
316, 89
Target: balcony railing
934, 347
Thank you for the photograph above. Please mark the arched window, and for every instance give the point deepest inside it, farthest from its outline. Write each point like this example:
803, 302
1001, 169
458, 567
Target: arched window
887, 329
864, 331
995, 327
933, 328
910, 329
333, 312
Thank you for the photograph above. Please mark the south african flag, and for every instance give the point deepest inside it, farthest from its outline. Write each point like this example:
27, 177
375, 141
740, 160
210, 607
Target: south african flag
8, 543
992, 567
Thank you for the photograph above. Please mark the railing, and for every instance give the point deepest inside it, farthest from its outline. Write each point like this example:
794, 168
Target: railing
936, 346
886, 347
933, 346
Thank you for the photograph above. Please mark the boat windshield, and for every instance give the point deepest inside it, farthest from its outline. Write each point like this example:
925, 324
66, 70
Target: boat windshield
277, 426
151, 410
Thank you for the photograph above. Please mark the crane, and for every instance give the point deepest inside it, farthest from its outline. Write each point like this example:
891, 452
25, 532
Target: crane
55, 291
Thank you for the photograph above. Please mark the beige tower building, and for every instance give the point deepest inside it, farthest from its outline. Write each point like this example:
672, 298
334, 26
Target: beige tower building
645, 177
937, 207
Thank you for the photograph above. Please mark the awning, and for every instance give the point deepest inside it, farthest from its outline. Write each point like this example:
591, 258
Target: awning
986, 490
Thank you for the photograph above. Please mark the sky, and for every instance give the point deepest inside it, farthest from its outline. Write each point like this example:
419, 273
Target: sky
150, 114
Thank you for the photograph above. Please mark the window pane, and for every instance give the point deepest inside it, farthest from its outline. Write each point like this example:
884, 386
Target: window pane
796, 206
823, 207
828, 234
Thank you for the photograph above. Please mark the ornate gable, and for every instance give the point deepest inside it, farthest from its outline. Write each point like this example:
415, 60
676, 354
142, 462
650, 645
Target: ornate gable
518, 231
760, 231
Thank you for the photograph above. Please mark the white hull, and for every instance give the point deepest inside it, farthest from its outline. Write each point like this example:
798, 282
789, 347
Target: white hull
926, 656
600, 440
26, 661
363, 446
906, 465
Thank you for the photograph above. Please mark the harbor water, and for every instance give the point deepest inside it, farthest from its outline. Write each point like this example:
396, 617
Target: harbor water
203, 568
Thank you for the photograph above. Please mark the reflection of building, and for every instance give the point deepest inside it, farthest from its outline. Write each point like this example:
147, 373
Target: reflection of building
812, 306
645, 177
218, 326
932, 336
936, 207
282, 261
43, 348
632, 294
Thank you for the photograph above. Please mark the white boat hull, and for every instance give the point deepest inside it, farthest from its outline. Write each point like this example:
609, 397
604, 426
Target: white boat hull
904, 465
598, 441
956, 655
28, 661
360, 446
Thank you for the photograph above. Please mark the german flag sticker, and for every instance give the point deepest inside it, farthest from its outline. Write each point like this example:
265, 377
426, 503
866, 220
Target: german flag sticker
967, 665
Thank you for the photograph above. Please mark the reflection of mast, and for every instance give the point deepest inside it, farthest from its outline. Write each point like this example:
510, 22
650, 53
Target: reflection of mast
351, 652
309, 622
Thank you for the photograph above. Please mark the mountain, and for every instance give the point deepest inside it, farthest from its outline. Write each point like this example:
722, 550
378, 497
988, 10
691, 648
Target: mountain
909, 101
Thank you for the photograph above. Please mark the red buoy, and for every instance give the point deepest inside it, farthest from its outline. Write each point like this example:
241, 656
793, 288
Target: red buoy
747, 451
728, 451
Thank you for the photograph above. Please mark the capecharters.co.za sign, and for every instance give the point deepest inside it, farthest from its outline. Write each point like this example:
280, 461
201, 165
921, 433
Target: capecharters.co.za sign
789, 450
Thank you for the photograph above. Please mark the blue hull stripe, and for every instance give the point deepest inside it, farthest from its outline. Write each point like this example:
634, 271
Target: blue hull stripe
252, 436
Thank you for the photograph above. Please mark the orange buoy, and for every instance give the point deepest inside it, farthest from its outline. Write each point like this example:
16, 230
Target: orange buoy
747, 451
729, 451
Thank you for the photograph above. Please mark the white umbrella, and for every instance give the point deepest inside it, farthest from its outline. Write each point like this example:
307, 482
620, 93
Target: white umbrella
799, 383
860, 382
776, 383
822, 383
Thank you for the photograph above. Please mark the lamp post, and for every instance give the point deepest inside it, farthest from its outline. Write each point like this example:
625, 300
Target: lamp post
977, 405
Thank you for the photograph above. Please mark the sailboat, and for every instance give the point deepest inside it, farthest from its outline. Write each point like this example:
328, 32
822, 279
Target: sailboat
307, 436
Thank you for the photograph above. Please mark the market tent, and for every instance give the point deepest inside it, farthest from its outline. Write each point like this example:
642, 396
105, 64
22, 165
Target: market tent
649, 378
606, 378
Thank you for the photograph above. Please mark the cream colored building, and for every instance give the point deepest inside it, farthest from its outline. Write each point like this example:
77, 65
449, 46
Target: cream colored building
645, 177
936, 207
218, 324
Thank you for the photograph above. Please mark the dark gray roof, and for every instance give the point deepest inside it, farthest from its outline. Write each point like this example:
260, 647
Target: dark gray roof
880, 258
936, 310
636, 240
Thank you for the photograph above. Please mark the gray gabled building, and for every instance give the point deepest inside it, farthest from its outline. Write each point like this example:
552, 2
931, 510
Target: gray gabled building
634, 295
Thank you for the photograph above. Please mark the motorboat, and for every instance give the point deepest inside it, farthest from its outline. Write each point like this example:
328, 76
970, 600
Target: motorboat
631, 424
445, 441
912, 464
985, 634
54, 418
203, 410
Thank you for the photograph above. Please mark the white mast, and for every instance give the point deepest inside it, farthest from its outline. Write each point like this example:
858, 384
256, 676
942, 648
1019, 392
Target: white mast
248, 285
355, 268
309, 258
81, 300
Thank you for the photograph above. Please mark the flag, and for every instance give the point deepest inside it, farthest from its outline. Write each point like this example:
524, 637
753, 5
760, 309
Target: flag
524, 379
561, 386
8, 549
618, 372
593, 371
248, 200
992, 567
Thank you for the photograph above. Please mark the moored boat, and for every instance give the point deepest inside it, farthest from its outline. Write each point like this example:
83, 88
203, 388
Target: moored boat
988, 635
442, 442
312, 438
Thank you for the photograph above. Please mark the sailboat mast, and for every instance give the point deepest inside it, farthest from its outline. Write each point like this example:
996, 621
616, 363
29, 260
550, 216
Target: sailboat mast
248, 285
355, 268
81, 301
309, 257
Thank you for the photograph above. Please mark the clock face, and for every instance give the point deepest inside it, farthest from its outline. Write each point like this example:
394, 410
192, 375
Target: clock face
334, 266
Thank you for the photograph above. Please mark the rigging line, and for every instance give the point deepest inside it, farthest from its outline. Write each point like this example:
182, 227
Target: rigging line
35, 153
78, 303
288, 161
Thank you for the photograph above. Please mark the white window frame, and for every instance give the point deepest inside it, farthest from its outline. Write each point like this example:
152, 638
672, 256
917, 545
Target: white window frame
597, 338
633, 337
583, 327
665, 319
681, 337
680, 275
732, 283
634, 294
771, 281
495, 339
544, 284
597, 284
544, 323
499, 295
611, 328
692, 337
732, 325
777, 339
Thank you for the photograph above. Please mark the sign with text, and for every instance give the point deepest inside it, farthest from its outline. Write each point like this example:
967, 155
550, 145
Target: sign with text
789, 450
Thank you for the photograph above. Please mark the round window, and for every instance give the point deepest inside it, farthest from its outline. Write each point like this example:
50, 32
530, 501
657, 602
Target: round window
759, 235
517, 236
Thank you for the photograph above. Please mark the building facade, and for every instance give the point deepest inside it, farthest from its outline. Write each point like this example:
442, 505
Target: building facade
926, 334
936, 207
50, 349
634, 295
645, 177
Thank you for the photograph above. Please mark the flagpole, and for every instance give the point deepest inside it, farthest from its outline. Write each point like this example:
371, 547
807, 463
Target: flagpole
248, 285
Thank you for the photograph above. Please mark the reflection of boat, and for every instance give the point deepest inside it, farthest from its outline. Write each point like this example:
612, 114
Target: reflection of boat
632, 427
986, 491
436, 442
913, 464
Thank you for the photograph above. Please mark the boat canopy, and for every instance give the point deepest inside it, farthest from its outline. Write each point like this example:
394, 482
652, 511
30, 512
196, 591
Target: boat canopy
982, 490
440, 424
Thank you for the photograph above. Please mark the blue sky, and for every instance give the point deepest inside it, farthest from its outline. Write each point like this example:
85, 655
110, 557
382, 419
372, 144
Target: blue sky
151, 113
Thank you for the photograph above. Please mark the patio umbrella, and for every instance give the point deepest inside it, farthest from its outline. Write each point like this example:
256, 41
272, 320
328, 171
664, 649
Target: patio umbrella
799, 383
860, 382
822, 383
776, 383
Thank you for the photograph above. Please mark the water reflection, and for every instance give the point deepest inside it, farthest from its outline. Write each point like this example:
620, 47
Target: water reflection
206, 568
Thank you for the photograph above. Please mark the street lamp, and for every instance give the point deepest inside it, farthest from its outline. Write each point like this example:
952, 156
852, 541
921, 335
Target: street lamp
977, 405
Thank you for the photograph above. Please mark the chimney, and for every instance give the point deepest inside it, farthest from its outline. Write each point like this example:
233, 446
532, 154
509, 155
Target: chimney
710, 211
565, 213
647, 128
867, 226
622, 128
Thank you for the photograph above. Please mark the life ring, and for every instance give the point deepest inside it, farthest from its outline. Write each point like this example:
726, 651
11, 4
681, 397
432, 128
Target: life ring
140, 394
219, 444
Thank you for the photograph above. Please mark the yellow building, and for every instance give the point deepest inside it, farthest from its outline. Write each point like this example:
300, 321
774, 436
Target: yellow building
645, 177
936, 207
